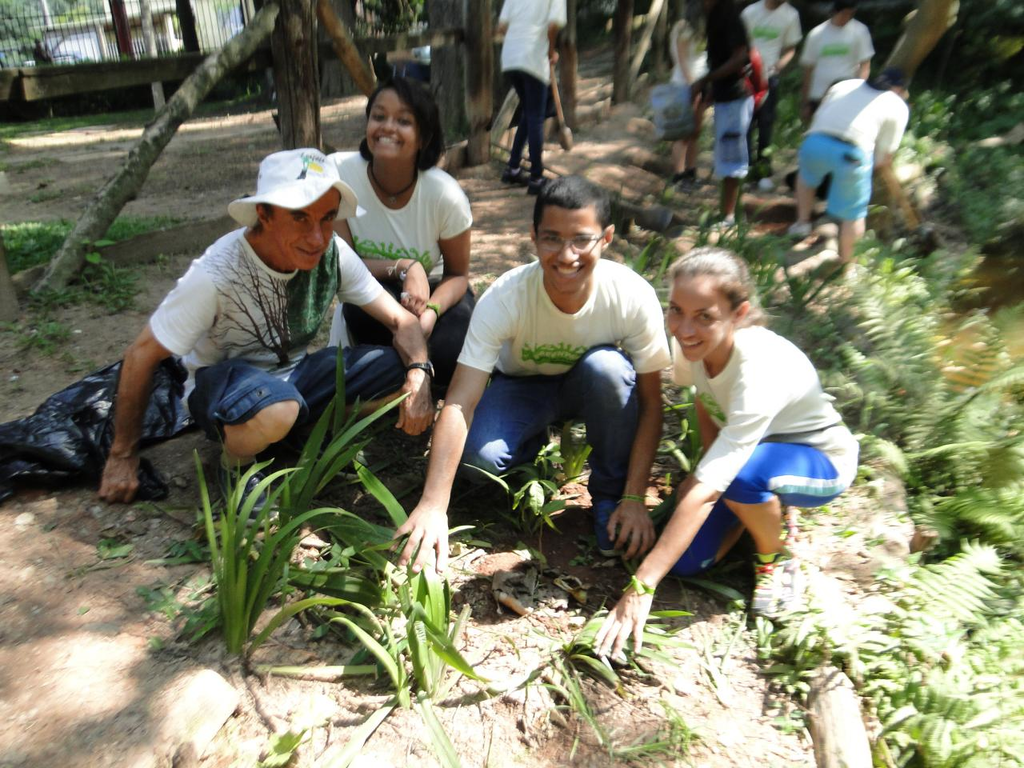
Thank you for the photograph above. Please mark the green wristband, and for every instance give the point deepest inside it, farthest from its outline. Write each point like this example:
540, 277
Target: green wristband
632, 497
638, 586
435, 307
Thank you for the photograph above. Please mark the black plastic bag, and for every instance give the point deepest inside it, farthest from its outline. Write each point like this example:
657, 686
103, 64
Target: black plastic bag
68, 438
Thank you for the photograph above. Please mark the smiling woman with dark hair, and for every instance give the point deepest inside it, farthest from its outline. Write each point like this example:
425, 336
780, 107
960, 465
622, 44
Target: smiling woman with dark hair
415, 234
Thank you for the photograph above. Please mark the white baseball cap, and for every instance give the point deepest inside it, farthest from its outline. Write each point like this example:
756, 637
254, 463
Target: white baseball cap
294, 179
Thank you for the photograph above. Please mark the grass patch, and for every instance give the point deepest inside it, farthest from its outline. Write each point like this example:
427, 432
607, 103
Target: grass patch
35, 242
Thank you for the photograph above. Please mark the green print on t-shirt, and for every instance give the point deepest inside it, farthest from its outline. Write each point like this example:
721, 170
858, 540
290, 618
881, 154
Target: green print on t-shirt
557, 354
835, 49
765, 33
309, 296
370, 249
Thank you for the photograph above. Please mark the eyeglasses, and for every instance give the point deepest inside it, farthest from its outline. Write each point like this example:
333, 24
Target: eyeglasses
580, 244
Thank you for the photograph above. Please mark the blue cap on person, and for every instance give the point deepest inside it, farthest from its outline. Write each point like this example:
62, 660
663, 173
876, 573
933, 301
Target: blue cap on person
294, 179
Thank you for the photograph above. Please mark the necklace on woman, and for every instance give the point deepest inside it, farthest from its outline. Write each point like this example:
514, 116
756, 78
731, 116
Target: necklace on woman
392, 197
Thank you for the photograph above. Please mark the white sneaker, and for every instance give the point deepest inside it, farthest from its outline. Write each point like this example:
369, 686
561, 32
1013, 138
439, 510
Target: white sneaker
799, 229
766, 185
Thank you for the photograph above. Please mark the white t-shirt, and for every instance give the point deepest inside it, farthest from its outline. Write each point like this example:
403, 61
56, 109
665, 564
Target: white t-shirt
771, 31
526, 41
835, 53
697, 58
854, 111
768, 390
437, 210
229, 304
518, 329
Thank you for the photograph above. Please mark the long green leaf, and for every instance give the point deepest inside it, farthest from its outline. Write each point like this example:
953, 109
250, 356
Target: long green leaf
443, 747
381, 493
287, 612
361, 735
396, 673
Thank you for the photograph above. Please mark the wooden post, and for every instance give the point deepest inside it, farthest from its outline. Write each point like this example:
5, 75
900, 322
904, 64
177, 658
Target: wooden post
8, 298
187, 22
568, 65
479, 80
659, 47
149, 36
623, 29
293, 45
447, 79
345, 48
127, 182
644, 43
836, 726
121, 29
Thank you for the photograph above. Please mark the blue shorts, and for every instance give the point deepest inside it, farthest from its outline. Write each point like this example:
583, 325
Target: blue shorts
233, 391
799, 475
850, 166
732, 122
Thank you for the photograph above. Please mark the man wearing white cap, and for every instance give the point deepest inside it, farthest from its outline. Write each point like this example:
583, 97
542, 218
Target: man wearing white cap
243, 314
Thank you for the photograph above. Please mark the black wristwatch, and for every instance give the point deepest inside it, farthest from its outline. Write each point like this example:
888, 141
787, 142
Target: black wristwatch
427, 367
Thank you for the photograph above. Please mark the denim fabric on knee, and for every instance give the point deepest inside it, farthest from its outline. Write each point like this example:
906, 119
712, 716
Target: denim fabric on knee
371, 372
233, 391
511, 420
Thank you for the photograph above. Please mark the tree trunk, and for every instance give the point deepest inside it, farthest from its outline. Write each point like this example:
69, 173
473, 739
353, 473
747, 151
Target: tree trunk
101, 213
345, 47
447, 78
644, 44
923, 30
836, 726
623, 29
122, 31
293, 45
479, 48
659, 50
568, 65
149, 36
187, 22
8, 297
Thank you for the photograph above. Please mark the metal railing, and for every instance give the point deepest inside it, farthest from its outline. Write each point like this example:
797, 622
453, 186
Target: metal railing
41, 32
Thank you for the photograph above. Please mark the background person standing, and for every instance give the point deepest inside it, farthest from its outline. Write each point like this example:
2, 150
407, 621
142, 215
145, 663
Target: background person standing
837, 49
773, 27
530, 28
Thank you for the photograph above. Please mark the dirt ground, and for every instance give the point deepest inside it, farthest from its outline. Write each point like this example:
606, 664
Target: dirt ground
91, 670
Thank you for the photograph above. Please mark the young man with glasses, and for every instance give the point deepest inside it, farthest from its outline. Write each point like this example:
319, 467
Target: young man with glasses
568, 337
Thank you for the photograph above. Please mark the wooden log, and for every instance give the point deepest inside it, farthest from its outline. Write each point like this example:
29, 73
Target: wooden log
8, 296
622, 27
502, 129
837, 728
345, 48
479, 80
569, 65
124, 185
293, 43
644, 43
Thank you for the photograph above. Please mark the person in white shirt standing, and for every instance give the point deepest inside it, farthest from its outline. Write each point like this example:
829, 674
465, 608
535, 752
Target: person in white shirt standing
856, 129
774, 29
689, 62
838, 49
530, 28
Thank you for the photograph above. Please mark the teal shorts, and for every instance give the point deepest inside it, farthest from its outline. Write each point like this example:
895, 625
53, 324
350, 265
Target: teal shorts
850, 167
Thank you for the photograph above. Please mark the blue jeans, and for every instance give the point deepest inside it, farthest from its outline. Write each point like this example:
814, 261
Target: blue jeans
233, 391
512, 418
533, 96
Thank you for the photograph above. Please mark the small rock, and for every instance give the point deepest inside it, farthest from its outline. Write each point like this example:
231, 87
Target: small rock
96, 511
24, 520
191, 712
180, 482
